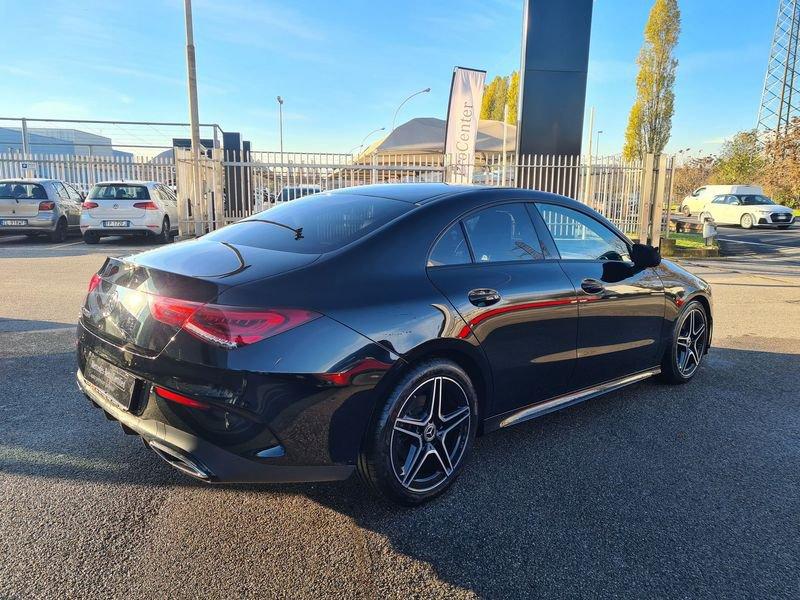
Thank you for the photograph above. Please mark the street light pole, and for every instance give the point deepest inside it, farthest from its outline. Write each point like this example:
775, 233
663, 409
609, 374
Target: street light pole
361, 145
394, 119
597, 145
280, 121
194, 120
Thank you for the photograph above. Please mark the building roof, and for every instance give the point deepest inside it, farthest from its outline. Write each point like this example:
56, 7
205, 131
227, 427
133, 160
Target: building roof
426, 135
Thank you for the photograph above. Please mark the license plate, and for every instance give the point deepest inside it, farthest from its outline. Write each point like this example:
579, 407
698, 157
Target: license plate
115, 223
782, 218
115, 384
13, 222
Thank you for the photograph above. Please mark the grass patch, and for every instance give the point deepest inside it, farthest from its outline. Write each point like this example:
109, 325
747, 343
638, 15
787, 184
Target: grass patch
687, 240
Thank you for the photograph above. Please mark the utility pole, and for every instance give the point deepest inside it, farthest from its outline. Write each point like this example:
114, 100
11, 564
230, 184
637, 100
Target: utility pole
505, 137
25, 147
280, 122
194, 120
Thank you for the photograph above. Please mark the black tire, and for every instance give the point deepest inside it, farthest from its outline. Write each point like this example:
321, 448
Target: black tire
59, 234
90, 237
682, 359
410, 426
164, 237
747, 221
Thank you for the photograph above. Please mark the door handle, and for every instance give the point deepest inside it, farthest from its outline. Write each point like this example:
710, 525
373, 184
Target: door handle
592, 286
483, 297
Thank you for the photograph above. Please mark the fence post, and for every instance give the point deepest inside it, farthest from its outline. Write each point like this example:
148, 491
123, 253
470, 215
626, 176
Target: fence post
658, 203
646, 196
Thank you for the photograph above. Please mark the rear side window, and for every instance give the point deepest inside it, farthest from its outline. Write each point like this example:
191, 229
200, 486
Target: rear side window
119, 192
451, 249
313, 224
503, 233
21, 190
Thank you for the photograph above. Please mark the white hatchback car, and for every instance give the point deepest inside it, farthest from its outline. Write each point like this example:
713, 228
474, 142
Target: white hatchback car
747, 210
129, 208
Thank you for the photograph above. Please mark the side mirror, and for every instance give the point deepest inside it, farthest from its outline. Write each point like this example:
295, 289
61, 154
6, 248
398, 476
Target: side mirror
644, 256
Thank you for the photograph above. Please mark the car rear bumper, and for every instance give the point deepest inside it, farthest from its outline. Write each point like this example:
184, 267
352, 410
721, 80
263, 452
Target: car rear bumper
202, 459
35, 225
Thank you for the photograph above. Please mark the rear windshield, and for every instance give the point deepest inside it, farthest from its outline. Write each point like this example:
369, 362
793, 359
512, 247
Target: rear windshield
119, 192
21, 190
314, 224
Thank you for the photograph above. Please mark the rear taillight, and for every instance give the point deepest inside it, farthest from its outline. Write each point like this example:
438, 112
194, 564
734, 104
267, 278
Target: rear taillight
180, 398
47, 205
94, 282
89, 204
146, 205
227, 326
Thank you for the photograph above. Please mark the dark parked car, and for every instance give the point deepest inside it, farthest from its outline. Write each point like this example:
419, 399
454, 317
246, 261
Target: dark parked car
379, 329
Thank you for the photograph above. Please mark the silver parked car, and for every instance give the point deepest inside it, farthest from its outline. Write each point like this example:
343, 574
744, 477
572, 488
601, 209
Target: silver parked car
39, 207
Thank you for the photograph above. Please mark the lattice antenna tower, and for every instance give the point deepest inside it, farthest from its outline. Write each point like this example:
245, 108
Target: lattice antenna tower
780, 100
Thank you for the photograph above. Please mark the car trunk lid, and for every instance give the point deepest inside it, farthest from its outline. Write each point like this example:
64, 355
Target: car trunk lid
122, 299
20, 199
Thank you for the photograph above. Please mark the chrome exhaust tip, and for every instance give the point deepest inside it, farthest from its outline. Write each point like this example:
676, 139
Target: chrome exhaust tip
179, 461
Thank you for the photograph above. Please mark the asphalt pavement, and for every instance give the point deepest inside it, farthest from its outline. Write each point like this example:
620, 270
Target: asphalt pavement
652, 491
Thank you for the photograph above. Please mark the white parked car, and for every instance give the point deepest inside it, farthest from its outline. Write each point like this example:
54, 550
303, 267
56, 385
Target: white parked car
748, 210
694, 203
129, 208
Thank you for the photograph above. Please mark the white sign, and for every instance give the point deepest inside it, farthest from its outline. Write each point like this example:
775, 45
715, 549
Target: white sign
466, 96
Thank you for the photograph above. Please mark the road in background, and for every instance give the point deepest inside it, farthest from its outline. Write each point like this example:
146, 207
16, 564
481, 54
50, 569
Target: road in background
652, 491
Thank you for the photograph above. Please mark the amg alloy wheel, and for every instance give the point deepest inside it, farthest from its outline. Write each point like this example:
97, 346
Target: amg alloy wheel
424, 434
689, 345
747, 221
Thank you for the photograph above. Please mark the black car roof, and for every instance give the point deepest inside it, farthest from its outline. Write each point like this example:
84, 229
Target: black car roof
413, 193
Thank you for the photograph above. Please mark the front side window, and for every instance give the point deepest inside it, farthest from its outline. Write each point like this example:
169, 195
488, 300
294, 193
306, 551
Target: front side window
755, 200
503, 233
718, 200
580, 237
451, 249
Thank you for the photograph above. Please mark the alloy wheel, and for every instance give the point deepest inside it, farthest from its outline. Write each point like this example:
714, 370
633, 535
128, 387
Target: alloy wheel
691, 341
430, 434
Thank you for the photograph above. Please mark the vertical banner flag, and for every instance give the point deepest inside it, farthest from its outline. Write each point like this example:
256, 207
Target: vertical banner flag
461, 131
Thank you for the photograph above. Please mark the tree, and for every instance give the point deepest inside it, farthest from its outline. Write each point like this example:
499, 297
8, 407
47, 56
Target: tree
650, 119
513, 97
741, 160
780, 171
693, 174
492, 96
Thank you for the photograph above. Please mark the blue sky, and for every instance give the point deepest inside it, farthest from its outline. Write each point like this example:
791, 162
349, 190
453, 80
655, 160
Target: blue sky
344, 66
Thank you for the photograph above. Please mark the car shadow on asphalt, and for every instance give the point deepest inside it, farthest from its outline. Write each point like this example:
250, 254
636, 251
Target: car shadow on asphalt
654, 490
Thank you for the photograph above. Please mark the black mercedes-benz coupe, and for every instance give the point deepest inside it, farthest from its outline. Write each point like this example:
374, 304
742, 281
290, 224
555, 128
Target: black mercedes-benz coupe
379, 329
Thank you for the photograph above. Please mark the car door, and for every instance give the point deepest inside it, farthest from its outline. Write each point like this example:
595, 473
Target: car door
76, 199
170, 203
717, 208
519, 305
66, 204
620, 307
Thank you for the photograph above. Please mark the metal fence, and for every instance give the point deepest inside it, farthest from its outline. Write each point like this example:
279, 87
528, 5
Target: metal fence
83, 171
621, 190
239, 183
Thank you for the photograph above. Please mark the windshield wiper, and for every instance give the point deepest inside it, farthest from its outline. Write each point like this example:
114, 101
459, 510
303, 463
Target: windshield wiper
298, 231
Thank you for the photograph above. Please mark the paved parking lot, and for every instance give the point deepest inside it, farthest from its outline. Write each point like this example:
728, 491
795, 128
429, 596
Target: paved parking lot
652, 491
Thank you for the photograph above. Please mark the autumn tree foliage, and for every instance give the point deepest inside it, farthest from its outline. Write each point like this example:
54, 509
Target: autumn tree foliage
650, 119
497, 93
